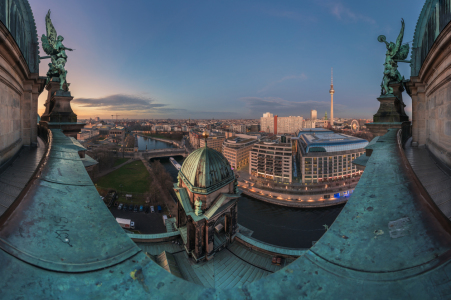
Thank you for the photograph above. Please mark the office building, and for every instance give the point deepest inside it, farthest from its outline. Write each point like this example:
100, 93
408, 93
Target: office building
326, 156
237, 149
313, 114
213, 142
267, 122
279, 125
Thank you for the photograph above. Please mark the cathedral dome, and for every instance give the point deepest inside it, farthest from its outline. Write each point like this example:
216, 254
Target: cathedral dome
206, 170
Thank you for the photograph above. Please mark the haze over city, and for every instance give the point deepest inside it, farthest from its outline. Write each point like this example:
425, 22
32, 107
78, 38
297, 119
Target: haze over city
235, 59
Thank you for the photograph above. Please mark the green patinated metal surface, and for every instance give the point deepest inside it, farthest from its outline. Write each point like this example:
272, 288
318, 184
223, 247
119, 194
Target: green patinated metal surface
206, 170
389, 242
61, 211
182, 196
434, 17
396, 52
271, 248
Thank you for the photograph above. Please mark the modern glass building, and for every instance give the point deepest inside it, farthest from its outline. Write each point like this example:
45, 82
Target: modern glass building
327, 156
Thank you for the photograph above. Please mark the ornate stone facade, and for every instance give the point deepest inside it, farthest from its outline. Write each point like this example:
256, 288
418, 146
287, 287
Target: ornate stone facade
20, 84
430, 84
207, 203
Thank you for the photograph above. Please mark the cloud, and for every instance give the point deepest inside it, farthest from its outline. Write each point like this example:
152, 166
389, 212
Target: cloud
121, 102
270, 85
284, 107
344, 13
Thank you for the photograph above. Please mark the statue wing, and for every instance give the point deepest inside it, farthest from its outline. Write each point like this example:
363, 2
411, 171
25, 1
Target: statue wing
51, 31
402, 53
48, 48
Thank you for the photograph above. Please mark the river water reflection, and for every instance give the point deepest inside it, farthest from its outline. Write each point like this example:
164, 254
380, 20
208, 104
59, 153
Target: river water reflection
152, 144
278, 225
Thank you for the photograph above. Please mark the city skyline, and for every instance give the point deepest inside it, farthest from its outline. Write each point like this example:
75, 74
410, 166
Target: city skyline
210, 60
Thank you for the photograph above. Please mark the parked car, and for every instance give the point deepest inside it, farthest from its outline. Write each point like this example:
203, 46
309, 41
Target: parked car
130, 207
136, 208
125, 207
132, 225
159, 208
147, 209
141, 208
152, 210
120, 206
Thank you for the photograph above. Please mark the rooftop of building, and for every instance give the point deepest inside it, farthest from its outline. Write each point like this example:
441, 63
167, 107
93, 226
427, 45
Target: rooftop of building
327, 141
275, 142
239, 141
310, 130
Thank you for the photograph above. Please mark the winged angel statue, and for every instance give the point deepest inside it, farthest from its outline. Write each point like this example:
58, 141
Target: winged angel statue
396, 52
54, 47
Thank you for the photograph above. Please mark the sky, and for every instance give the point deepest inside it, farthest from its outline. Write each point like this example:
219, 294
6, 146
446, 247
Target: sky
225, 59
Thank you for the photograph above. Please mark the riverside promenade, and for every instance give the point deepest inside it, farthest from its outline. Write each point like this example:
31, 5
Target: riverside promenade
296, 194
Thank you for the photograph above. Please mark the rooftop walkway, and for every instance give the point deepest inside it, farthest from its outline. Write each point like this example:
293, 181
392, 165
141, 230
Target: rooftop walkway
17, 173
435, 180
230, 267
269, 247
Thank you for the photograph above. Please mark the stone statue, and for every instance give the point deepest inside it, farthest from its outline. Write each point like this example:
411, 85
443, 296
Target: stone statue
54, 47
396, 52
198, 207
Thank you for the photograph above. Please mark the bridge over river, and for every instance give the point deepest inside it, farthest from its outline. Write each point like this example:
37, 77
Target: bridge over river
168, 152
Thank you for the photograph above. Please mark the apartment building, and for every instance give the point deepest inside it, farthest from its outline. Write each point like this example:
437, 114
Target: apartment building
272, 160
214, 142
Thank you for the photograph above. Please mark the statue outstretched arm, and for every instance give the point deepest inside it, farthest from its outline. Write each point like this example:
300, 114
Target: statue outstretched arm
400, 37
44, 57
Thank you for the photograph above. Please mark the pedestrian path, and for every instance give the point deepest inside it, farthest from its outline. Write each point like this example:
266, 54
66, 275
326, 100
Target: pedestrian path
434, 178
101, 174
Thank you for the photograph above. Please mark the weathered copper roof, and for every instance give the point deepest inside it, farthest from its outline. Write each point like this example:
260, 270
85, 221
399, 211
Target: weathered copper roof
389, 242
206, 170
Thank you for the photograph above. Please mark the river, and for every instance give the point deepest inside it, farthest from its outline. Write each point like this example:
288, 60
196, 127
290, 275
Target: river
152, 144
274, 224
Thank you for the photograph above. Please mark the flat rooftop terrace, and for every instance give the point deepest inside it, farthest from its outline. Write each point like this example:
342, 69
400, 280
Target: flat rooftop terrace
330, 142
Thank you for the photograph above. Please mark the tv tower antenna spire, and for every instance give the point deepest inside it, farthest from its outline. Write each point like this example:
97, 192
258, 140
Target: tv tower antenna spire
331, 92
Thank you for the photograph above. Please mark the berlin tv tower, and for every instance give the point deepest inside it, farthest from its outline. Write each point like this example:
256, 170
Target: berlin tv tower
331, 91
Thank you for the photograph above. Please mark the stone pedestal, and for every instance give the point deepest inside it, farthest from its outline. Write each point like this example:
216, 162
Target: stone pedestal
58, 112
391, 112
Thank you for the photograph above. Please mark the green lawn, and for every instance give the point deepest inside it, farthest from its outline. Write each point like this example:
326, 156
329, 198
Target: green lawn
119, 161
133, 177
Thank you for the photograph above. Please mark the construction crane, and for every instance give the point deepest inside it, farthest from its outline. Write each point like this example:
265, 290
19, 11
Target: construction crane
116, 118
